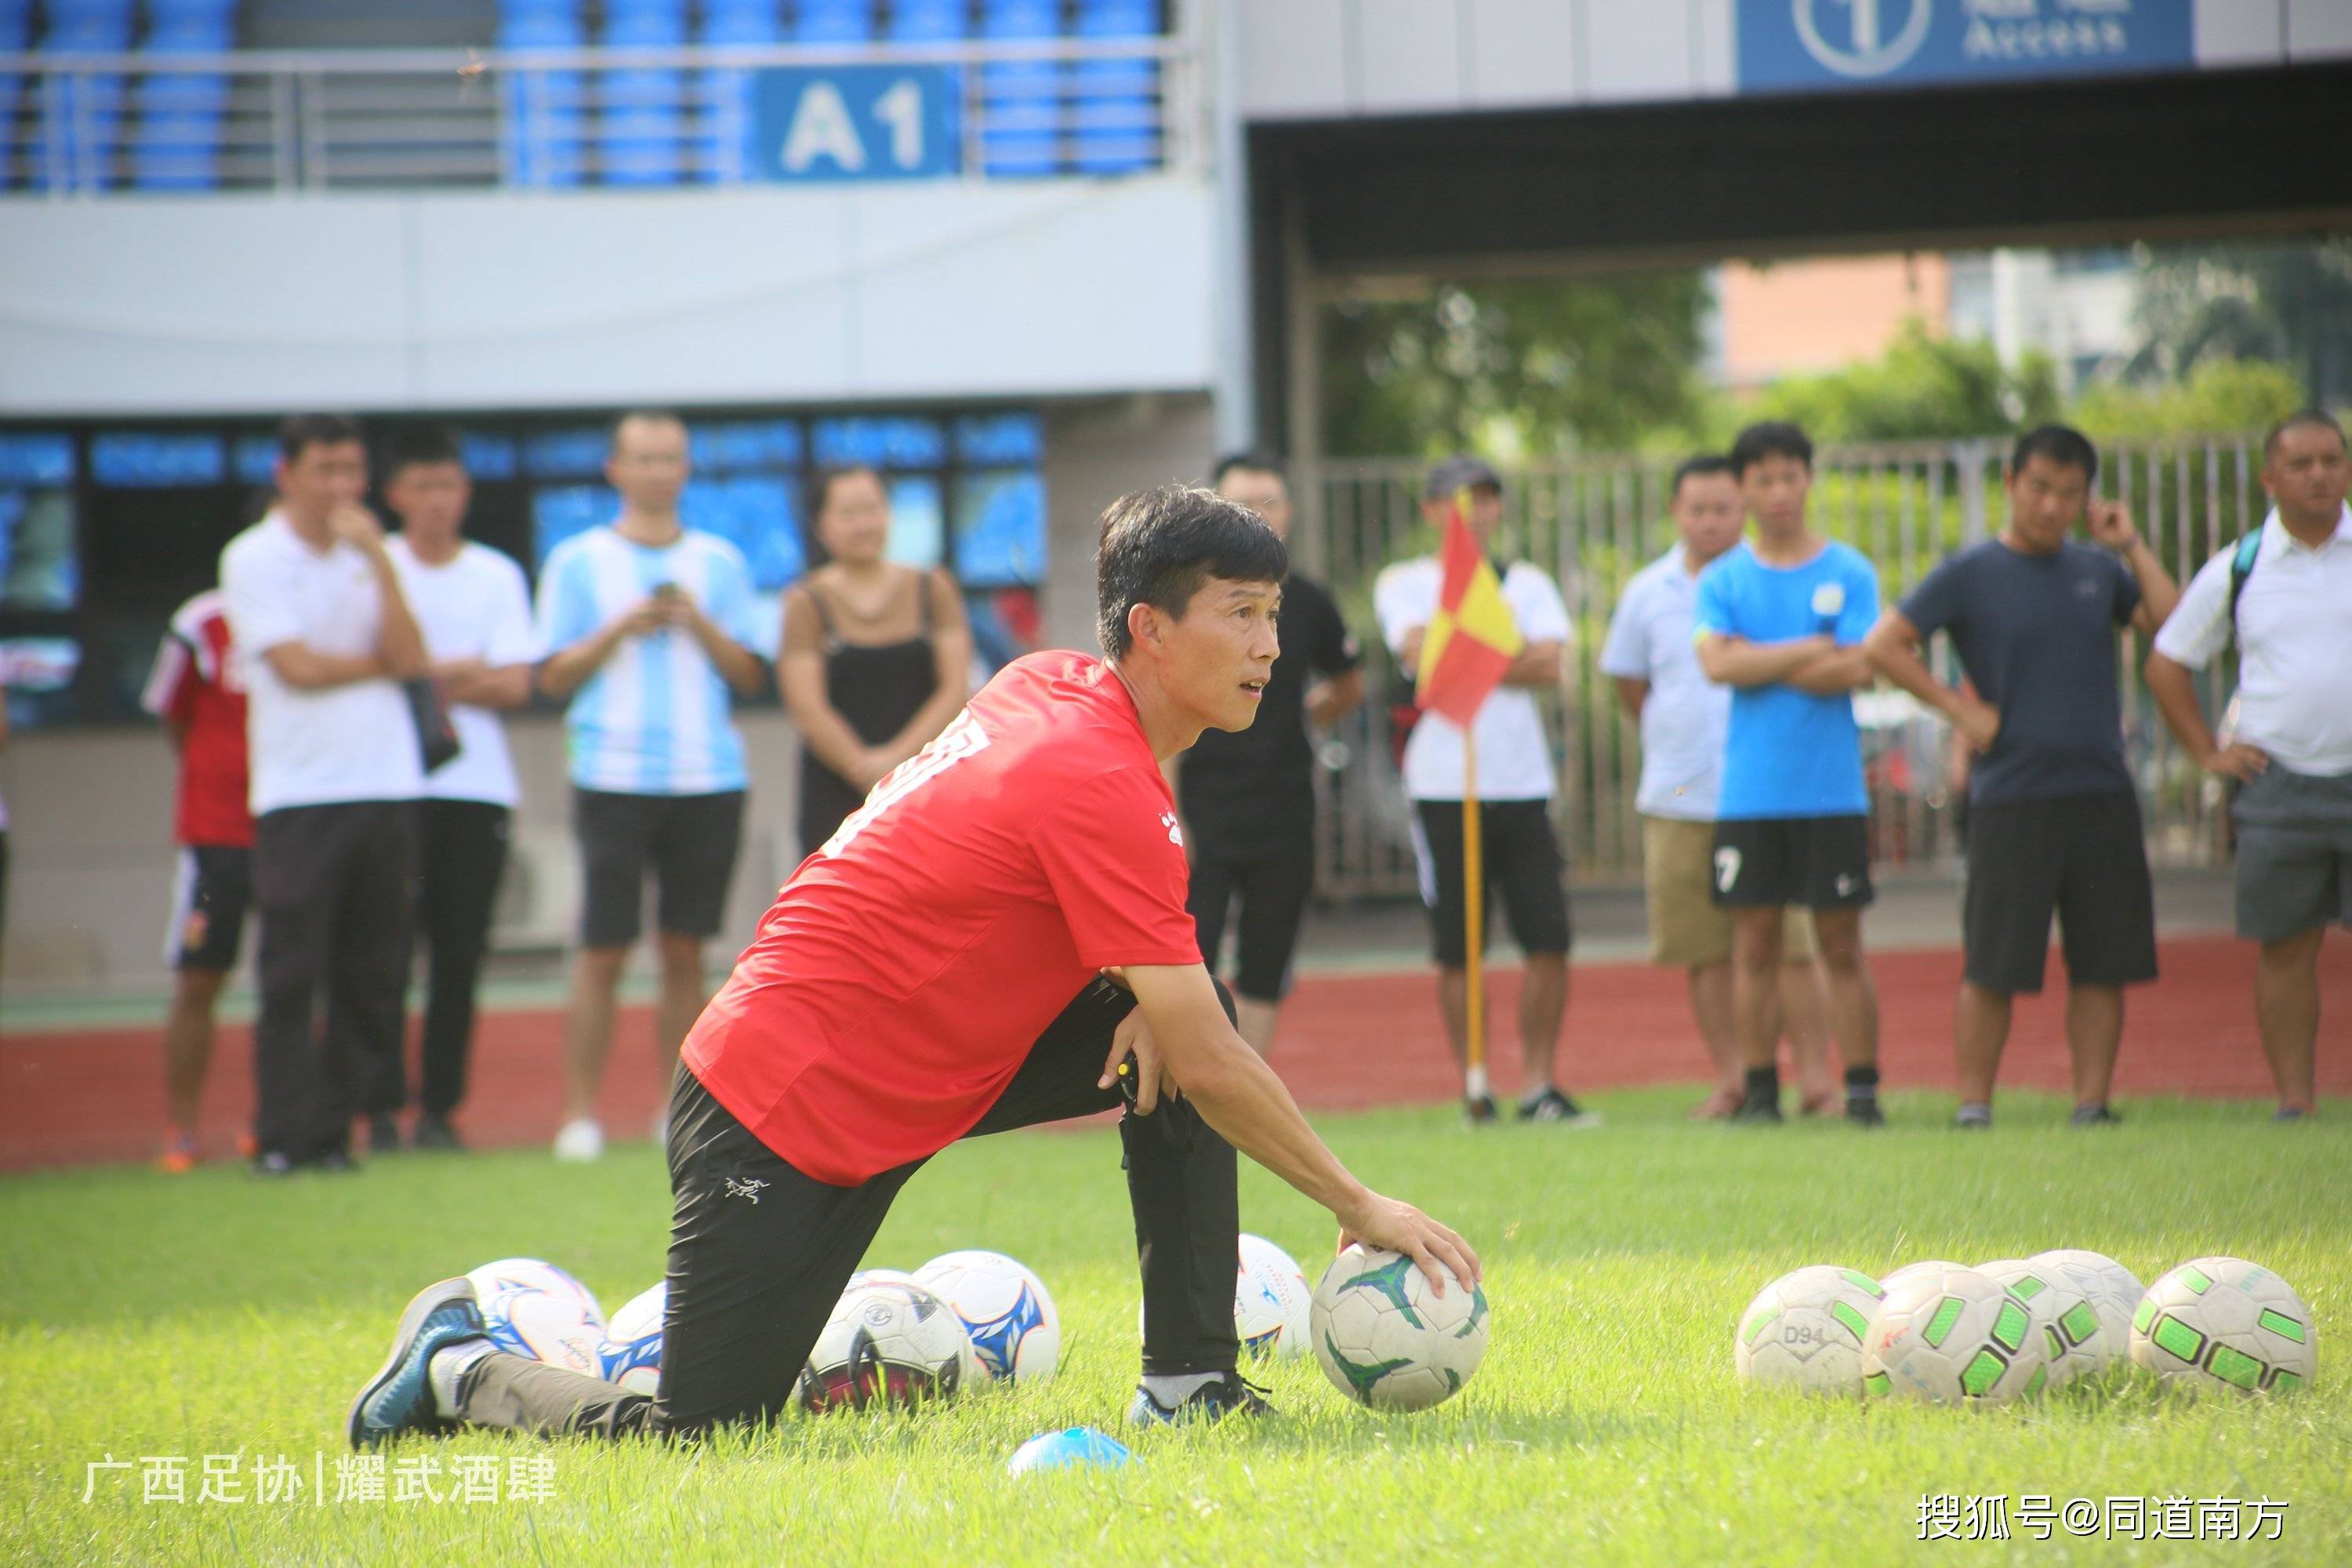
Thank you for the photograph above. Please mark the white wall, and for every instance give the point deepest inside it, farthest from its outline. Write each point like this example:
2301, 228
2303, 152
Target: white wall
1316, 58
465, 300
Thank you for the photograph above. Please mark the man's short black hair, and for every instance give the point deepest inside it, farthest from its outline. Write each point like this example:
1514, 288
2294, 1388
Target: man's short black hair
1697, 466
2302, 418
653, 415
423, 445
1769, 439
298, 431
1158, 547
1253, 461
2061, 444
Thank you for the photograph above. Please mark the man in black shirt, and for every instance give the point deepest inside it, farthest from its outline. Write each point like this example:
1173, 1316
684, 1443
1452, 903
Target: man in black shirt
1248, 797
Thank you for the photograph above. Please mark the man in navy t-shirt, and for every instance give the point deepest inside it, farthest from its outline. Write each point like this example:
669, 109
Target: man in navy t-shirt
2053, 824
1780, 620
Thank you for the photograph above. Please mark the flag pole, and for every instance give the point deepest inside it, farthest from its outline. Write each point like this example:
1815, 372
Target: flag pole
1474, 912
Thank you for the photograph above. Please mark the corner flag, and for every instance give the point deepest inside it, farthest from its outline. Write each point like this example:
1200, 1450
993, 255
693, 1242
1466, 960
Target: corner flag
1472, 638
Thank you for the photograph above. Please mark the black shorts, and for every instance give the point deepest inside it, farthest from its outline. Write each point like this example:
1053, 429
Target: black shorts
1820, 862
1520, 854
211, 893
2081, 857
1271, 874
688, 840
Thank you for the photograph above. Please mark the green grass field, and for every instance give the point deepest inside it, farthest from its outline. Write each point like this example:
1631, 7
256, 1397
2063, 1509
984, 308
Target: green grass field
211, 1315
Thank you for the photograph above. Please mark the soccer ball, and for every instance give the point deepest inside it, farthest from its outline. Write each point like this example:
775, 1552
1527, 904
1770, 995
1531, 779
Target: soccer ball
1914, 1270
531, 1308
2073, 1342
2229, 1322
1015, 1331
1270, 1300
1805, 1331
2112, 1289
630, 1354
891, 1342
1386, 1339
1956, 1337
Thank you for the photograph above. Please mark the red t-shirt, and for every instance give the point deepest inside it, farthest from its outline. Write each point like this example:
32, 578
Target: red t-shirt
196, 683
906, 969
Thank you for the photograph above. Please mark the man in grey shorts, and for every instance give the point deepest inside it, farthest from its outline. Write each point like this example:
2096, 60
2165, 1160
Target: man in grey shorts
2286, 599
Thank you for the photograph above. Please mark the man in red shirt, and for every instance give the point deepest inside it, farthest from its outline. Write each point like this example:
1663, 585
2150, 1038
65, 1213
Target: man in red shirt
914, 983
195, 690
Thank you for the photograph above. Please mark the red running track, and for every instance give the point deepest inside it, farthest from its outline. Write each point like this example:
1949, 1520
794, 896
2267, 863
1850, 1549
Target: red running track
1348, 1041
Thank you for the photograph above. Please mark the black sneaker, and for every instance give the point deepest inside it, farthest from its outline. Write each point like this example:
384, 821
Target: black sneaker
2095, 1114
1478, 1109
1228, 1395
334, 1161
433, 1132
399, 1397
273, 1164
2290, 1113
1865, 1112
1756, 1112
383, 1134
1552, 1105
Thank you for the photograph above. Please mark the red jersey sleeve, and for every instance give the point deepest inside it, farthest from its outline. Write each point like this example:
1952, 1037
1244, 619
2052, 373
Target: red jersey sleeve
1112, 855
172, 684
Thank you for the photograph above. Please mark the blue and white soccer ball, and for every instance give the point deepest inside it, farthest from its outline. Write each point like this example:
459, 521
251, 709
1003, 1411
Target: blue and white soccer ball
1015, 1331
533, 1308
1271, 1297
631, 1351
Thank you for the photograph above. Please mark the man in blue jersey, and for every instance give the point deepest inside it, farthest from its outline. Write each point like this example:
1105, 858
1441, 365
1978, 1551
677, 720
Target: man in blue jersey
1780, 619
649, 627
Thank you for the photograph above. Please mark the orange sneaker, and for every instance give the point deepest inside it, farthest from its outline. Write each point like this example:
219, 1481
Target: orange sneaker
179, 1155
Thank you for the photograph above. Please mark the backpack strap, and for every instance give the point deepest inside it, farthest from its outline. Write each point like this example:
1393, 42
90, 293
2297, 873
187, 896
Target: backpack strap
2241, 566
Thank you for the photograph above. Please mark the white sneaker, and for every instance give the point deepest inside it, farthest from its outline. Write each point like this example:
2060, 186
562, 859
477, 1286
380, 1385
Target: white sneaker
661, 1128
580, 1141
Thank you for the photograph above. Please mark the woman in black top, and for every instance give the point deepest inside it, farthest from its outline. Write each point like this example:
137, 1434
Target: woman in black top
875, 655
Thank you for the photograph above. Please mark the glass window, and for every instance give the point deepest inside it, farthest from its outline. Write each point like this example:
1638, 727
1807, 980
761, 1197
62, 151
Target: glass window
882, 442
575, 453
759, 516
734, 445
39, 675
39, 568
36, 458
919, 524
257, 459
993, 439
137, 460
1000, 528
558, 512
487, 457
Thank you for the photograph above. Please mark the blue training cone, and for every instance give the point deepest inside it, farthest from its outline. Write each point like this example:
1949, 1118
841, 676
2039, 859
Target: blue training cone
1059, 1451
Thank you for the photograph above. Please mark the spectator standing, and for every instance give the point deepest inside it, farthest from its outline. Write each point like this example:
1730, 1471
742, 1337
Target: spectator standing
1683, 718
196, 689
648, 627
2284, 597
875, 655
474, 609
2053, 821
1780, 619
1247, 796
324, 636
1515, 781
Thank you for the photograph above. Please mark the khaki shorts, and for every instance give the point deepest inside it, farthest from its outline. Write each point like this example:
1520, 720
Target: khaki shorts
1686, 926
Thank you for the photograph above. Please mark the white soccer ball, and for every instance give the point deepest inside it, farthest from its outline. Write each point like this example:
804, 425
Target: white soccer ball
2112, 1289
533, 1308
2073, 1342
1914, 1270
1015, 1331
1271, 1300
630, 1354
2226, 1322
1956, 1337
1805, 1330
888, 1342
1387, 1340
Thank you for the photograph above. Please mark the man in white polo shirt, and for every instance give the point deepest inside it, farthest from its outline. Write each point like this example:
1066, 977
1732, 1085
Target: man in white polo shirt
648, 627
1651, 656
2285, 597
1514, 786
325, 637
474, 608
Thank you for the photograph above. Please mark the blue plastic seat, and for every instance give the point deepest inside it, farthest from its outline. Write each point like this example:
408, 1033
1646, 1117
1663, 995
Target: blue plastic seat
546, 126
833, 22
929, 21
1021, 100
1115, 104
722, 151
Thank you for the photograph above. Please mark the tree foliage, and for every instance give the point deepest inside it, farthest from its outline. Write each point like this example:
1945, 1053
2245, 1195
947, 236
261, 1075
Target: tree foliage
1921, 388
2289, 303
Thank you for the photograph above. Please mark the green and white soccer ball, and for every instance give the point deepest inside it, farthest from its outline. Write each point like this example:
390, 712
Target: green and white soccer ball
1805, 1331
2073, 1343
1913, 1270
2112, 1289
1953, 1337
2226, 1322
1386, 1338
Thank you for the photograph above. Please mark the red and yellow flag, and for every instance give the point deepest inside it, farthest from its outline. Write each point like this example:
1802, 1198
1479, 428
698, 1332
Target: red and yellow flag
1474, 637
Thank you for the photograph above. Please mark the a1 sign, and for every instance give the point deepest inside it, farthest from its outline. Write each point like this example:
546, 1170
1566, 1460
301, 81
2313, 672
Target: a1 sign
856, 122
